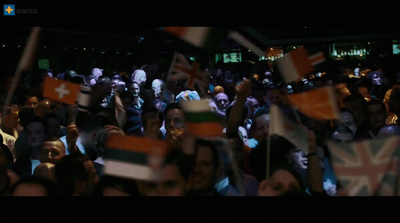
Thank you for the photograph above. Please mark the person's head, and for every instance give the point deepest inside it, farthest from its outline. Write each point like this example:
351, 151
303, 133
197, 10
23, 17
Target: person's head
96, 73
24, 113
252, 104
45, 107
389, 130
36, 131
222, 102
32, 101
283, 179
33, 186
9, 119
175, 176
357, 104
158, 87
106, 83
377, 114
348, 119
46, 170
54, 126
134, 88
206, 168
53, 151
140, 77
342, 133
299, 157
364, 90
88, 134
259, 127
75, 175
126, 98
115, 186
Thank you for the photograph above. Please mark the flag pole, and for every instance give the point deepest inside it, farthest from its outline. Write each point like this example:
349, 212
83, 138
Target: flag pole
25, 62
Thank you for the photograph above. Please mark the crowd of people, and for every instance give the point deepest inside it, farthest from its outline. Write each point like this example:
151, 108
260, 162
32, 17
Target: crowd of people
54, 149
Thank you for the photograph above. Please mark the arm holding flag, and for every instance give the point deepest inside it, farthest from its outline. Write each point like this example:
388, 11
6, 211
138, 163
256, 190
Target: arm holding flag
242, 92
314, 172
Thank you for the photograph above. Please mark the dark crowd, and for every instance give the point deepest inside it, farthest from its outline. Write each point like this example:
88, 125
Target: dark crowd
54, 149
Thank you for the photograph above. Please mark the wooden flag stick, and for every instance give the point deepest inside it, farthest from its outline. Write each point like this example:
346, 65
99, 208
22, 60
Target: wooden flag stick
25, 63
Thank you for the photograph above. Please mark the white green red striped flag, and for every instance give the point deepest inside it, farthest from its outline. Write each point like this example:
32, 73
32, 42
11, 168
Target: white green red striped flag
180, 69
134, 157
367, 168
282, 126
296, 64
200, 119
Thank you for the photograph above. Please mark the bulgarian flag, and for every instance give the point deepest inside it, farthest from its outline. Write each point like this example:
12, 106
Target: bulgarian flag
283, 126
203, 37
200, 119
318, 103
60, 90
296, 64
134, 157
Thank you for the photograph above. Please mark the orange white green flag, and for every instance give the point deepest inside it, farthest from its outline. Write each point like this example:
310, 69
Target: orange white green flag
60, 90
134, 157
319, 103
200, 119
367, 168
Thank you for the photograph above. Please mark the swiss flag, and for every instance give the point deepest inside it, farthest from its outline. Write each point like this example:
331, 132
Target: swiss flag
297, 64
60, 90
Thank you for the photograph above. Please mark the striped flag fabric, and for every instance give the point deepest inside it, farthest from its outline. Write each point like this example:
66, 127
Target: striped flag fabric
367, 168
61, 90
319, 103
180, 69
133, 157
207, 38
283, 126
200, 119
296, 64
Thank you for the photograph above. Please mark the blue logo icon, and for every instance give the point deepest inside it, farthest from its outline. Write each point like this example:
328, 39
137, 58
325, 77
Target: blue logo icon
9, 10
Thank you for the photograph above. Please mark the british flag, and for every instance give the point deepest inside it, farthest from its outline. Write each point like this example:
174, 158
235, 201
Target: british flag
180, 69
367, 168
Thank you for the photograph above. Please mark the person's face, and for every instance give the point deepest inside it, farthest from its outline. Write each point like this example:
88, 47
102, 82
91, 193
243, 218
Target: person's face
174, 119
11, 120
32, 102
377, 116
135, 90
348, 120
54, 127
253, 105
222, 101
35, 134
280, 182
205, 173
260, 132
30, 189
172, 182
93, 178
52, 152
299, 157
363, 91
158, 88
141, 78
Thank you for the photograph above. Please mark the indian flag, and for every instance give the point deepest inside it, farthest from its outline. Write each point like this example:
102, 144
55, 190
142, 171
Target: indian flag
203, 37
134, 157
296, 64
200, 119
282, 126
318, 103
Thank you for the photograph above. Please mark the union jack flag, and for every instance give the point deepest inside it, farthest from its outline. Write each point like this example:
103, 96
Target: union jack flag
180, 69
367, 168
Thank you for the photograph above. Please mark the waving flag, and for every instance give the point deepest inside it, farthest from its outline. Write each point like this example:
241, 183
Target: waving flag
180, 69
367, 168
296, 64
120, 114
200, 119
318, 103
60, 90
134, 157
282, 126
207, 38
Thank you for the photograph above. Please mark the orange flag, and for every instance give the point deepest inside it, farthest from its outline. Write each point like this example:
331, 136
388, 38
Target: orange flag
60, 90
319, 103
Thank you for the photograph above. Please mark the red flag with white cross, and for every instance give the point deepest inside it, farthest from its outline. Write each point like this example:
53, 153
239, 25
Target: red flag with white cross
60, 90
